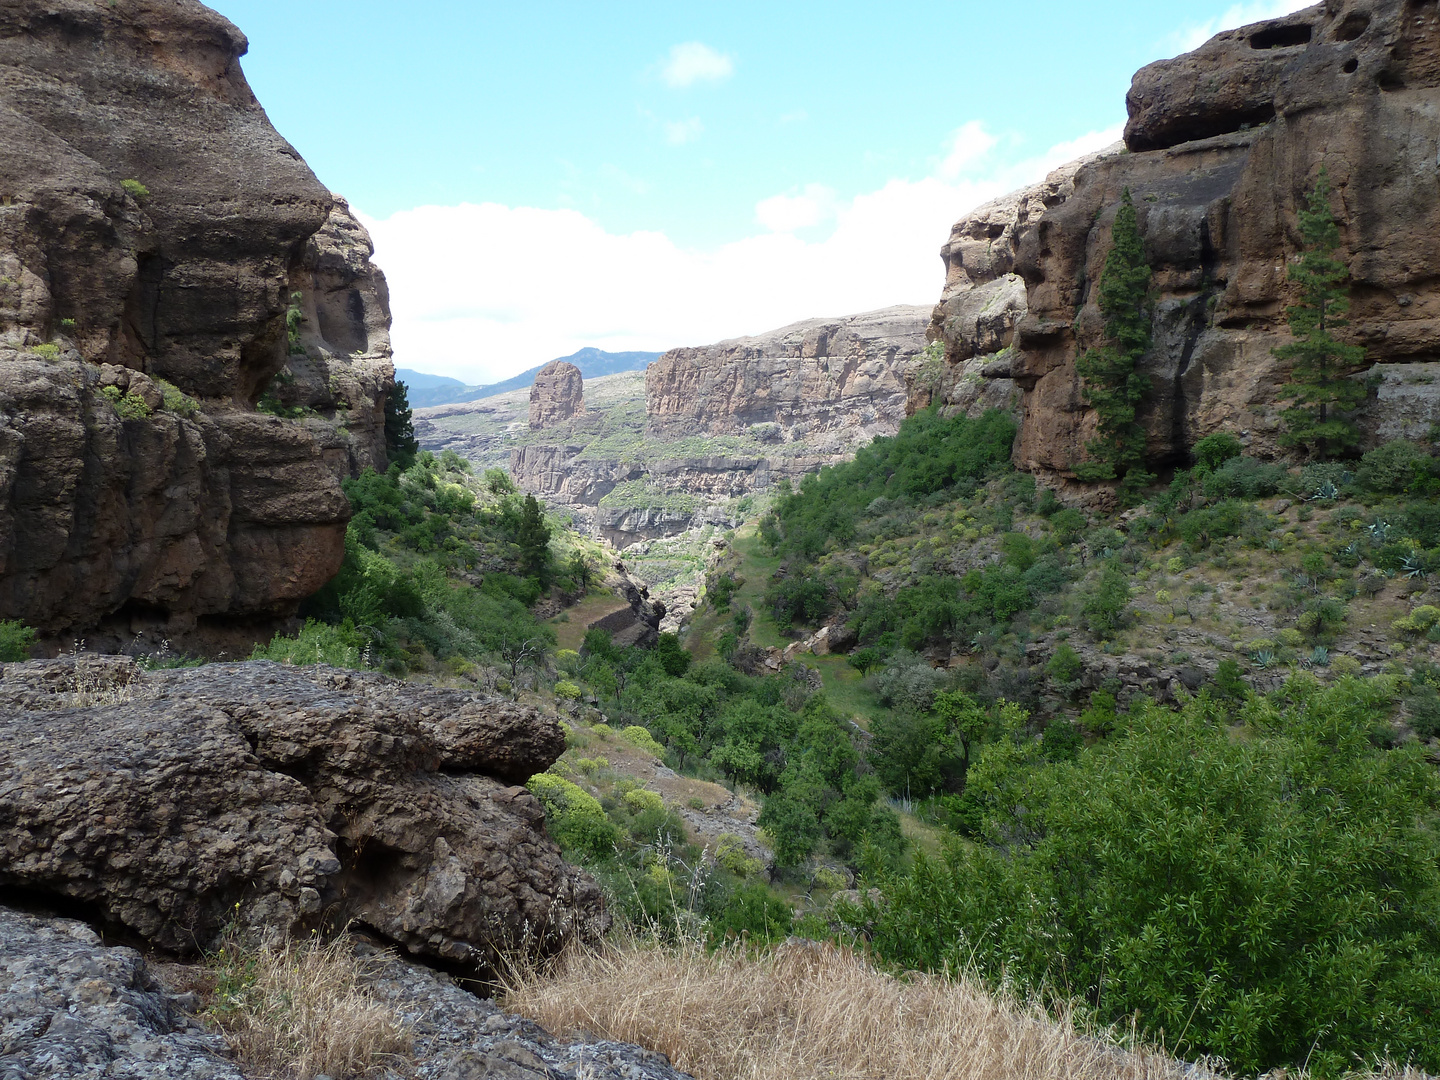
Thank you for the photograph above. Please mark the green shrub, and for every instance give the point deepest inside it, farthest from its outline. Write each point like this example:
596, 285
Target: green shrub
575, 818
641, 738
129, 406
1105, 605
1397, 466
1214, 450
176, 400
15, 641
1273, 899
136, 190
48, 351
1418, 621
316, 643
1065, 665
1244, 478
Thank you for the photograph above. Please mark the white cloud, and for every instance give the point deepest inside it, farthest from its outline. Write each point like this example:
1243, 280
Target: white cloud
1193, 35
968, 146
680, 132
692, 61
786, 213
481, 292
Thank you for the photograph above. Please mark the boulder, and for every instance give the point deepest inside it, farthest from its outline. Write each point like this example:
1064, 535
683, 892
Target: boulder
175, 803
557, 395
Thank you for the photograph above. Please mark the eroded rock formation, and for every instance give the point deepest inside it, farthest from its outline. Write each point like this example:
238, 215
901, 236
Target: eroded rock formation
162, 800
153, 230
1223, 144
807, 378
557, 395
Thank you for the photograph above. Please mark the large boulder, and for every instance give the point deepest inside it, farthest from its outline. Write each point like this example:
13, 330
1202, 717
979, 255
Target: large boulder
175, 803
155, 234
1222, 146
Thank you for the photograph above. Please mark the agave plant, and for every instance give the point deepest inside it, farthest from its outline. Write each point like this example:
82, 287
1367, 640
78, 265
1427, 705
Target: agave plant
1264, 659
1413, 566
1326, 492
1320, 656
1379, 529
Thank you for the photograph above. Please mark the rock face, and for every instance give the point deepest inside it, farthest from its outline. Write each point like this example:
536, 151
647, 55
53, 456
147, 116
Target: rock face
558, 394
154, 229
809, 377
160, 801
74, 1007
1223, 144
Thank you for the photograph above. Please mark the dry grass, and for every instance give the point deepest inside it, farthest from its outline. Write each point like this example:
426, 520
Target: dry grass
818, 1010
298, 1009
814, 1011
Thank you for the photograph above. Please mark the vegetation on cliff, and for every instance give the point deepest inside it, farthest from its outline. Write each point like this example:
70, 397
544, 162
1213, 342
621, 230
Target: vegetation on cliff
1320, 386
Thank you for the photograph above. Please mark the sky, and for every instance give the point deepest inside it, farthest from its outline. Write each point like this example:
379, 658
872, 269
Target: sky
543, 176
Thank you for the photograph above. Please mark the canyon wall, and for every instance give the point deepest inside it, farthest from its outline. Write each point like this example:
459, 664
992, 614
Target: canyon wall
721, 421
809, 378
155, 231
1221, 148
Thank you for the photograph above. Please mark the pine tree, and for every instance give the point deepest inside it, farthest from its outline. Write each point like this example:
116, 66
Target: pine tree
1111, 381
400, 442
1318, 383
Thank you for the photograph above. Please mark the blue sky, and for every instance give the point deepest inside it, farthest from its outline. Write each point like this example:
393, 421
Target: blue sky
543, 176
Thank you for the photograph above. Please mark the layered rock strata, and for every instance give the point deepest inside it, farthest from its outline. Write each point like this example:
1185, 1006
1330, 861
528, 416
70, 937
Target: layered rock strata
810, 377
175, 803
154, 230
557, 394
1221, 148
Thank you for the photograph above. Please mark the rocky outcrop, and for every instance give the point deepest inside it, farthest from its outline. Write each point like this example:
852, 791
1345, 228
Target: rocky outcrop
74, 1006
1222, 145
810, 377
176, 802
153, 230
557, 395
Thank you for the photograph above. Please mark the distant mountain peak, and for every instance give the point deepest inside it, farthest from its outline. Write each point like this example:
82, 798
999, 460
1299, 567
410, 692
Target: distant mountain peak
426, 390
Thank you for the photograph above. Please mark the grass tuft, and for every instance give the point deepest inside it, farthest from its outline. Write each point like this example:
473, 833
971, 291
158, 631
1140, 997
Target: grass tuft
301, 1009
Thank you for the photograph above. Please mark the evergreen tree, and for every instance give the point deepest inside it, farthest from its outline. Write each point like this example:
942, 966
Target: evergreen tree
1111, 381
532, 537
400, 443
1318, 383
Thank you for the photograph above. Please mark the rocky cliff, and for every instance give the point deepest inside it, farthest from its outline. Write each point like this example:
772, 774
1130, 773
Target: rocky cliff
155, 231
1221, 147
806, 379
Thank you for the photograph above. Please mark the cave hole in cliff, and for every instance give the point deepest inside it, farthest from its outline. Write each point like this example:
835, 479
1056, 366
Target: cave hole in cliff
1207, 127
1389, 79
1282, 37
1350, 66
1354, 24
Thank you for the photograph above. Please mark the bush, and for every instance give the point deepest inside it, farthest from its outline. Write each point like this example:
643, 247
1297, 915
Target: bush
136, 190
1272, 899
576, 820
1065, 665
1214, 450
1397, 466
316, 643
639, 737
1418, 621
176, 400
129, 406
15, 641
1244, 478
1105, 605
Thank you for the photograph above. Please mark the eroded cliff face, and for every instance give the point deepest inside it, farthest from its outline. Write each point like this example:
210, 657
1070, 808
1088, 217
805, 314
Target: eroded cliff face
1221, 147
153, 230
809, 378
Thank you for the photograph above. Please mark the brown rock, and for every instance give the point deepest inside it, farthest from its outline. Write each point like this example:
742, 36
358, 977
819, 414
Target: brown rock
1224, 144
154, 227
558, 394
808, 378
165, 799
